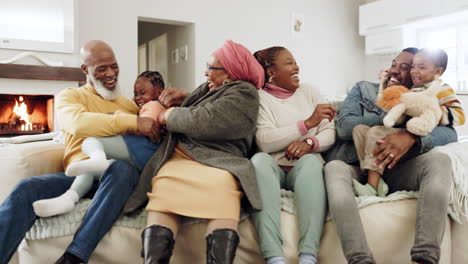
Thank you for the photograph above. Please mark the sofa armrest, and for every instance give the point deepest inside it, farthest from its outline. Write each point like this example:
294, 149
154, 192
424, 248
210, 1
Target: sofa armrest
19, 161
459, 241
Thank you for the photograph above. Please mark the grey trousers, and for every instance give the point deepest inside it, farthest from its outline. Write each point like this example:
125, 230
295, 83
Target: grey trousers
430, 174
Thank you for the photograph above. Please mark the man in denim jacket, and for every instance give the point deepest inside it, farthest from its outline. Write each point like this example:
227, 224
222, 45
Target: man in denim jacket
409, 166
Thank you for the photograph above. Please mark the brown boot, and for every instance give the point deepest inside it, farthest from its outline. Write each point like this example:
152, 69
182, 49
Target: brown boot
158, 243
221, 246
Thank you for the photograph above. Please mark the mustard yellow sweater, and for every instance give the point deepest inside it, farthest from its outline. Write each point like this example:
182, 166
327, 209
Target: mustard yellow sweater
83, 113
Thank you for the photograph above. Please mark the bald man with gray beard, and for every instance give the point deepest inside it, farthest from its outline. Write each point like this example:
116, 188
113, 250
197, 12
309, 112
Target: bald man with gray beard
82, 112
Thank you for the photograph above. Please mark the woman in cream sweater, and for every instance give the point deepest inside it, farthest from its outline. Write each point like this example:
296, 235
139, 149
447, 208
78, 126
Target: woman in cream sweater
292, 129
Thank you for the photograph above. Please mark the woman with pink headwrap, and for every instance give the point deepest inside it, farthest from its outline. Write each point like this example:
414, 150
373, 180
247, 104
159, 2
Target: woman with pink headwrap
201, 169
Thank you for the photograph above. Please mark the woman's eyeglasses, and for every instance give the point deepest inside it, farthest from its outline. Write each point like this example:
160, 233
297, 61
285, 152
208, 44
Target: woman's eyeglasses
209, 67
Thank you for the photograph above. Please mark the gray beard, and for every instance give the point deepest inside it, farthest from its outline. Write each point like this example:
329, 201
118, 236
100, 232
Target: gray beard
105, 93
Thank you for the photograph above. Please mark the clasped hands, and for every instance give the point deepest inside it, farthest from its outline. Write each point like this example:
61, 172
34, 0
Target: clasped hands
297, 149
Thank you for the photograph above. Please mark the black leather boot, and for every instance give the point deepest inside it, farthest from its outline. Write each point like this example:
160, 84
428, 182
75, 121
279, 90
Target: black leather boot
158, 243
221, 246
68, 258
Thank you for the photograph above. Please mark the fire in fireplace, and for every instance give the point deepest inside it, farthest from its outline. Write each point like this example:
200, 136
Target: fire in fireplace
26, 114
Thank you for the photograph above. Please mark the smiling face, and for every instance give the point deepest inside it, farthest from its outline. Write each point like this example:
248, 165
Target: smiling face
215, 73
399, 72
424, 69
285, 71
102, 65
144, 91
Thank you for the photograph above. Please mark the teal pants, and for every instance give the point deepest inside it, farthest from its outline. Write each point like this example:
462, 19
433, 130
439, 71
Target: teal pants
307, 182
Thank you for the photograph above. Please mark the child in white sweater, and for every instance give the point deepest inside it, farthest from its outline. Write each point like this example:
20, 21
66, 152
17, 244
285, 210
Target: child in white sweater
132, 148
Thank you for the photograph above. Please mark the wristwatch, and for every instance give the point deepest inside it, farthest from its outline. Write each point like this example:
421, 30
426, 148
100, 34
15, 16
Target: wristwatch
310, 142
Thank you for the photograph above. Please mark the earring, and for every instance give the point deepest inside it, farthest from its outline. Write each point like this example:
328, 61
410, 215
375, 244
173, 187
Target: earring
226, 81
270, 79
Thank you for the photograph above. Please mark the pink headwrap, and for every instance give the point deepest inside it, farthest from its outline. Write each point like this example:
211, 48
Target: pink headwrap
240, 64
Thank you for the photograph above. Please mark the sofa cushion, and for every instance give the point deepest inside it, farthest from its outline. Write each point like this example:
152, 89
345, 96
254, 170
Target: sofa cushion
120, 245
389, 228
19, 161
459, 234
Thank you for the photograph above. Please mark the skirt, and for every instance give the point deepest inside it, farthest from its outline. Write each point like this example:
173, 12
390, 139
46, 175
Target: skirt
186, 187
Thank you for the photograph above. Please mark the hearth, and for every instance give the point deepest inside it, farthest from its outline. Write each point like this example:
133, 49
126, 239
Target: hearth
26, 114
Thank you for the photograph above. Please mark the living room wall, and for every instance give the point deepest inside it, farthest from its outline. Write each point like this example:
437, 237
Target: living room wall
330, 51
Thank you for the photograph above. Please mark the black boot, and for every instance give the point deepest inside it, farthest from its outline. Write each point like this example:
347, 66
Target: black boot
158, 243
221, 246
68, 258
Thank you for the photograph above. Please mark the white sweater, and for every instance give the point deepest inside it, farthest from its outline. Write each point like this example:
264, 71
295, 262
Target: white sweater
277, 124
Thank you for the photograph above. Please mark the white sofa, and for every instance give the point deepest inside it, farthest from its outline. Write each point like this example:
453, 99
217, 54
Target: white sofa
389, 226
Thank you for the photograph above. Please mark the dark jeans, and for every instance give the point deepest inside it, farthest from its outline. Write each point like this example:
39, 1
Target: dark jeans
140, 148
17, 214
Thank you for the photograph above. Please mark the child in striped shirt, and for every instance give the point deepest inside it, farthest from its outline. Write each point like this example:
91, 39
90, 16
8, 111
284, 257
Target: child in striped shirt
427, 65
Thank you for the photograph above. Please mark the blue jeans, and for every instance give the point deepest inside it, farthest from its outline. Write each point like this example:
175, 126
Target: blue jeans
17, 214
140, 148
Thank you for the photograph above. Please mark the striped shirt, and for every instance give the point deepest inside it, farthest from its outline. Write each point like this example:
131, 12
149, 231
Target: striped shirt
452, 111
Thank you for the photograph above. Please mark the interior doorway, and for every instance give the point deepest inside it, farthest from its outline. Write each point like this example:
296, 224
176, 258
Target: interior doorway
167, 47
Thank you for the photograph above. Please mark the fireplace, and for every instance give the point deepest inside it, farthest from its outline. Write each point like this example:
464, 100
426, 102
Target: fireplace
32, 88
22, 114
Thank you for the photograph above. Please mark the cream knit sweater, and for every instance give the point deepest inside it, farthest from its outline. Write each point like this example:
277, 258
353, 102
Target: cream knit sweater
277, 124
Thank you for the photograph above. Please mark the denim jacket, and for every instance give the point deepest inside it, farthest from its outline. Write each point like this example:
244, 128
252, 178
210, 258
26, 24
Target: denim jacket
359, 107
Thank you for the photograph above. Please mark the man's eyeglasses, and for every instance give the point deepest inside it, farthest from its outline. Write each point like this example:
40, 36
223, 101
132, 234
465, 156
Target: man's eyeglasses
209, 67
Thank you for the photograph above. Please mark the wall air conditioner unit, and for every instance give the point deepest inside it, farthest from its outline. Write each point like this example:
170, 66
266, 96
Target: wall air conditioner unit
389, 42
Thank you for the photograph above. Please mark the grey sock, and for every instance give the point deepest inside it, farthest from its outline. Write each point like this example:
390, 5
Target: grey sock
306, 258
276, 260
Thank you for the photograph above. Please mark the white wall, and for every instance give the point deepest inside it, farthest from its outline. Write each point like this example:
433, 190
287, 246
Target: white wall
373, 64
331, 54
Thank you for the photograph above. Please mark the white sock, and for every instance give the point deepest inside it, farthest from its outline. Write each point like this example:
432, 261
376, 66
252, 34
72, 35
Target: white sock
97, 162
276, 260
307, 258
58, 205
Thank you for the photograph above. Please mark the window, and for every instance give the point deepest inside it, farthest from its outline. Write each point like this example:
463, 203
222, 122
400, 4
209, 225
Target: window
43, 25
453, 38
